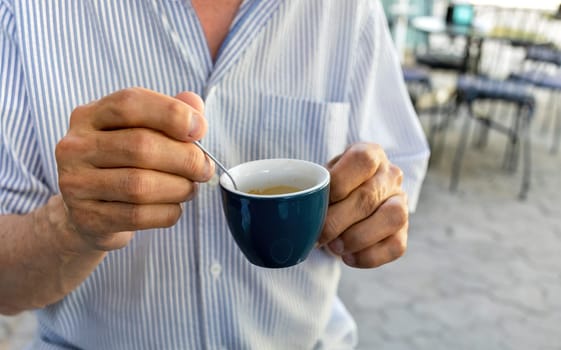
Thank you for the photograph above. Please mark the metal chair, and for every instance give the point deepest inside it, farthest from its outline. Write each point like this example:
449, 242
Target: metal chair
471, 89
543, 54
435, 103
417, 80
552, 83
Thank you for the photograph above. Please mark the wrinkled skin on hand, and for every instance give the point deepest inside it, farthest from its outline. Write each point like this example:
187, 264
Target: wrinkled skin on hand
367, 219
127, 163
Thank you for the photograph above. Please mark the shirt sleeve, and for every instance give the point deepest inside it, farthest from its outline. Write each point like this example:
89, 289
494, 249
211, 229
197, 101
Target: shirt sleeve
21, 177
381, 110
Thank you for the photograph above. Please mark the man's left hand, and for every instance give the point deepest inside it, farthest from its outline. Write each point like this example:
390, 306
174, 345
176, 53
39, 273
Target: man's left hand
367, 219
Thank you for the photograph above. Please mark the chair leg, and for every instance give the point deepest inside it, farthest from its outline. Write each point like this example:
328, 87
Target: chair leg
456, 164
444, 115
526, 155
512, 160
557, 127
492, 110
433, 127
434, 150
548, 119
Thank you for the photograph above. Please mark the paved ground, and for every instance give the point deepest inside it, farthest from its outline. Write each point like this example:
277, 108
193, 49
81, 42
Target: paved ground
482, 272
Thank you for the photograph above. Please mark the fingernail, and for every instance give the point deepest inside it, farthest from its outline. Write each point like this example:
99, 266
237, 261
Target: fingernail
195, 125
349, 259
337, 246
209, 168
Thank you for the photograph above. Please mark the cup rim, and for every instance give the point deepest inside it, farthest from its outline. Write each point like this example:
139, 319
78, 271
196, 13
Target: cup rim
226, 183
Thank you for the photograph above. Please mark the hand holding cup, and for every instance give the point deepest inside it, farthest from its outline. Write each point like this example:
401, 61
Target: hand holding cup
367, 220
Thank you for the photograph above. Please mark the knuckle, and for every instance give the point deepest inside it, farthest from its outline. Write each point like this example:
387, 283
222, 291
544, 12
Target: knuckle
364, 156
396, 173
62, 149
78, 114
193, 190
196, 163
171, 216
397, 247
355, 239
127, 96
70, 145
177, 113
183, 190
367, 201
125, 99
368, 156
368, 261
143, 146
135, 215
331, 229
336, 193
188, 191
135, 186
73, 184
191, 160
374, 149
396, 214
67, 184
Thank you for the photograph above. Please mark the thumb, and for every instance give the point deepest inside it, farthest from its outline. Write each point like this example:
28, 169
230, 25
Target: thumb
198, 123
193, 100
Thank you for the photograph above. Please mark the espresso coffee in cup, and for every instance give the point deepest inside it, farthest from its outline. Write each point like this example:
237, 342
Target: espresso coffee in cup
278, 189
278, 211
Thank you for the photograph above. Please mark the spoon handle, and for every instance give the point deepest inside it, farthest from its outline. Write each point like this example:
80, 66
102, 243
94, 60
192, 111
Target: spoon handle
216, 162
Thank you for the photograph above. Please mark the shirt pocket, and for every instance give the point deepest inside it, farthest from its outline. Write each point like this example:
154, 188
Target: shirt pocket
302, 129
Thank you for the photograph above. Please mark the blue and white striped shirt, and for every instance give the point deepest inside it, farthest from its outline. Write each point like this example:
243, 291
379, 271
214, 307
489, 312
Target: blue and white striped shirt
294, 78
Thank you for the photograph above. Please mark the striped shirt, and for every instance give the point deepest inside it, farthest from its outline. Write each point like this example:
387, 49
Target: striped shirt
294, 78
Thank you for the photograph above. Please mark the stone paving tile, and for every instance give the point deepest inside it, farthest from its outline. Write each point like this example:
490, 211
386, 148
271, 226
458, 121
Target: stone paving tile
404, 322
467, 311
531, 333
478, 338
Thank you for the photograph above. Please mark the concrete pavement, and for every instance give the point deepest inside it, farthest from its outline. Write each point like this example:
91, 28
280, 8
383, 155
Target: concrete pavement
482, 271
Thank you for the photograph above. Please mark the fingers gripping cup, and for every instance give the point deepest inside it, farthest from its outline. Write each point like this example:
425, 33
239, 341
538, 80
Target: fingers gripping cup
278, 211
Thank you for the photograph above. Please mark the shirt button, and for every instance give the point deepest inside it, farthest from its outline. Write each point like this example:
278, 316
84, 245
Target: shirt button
215, 270
214, 180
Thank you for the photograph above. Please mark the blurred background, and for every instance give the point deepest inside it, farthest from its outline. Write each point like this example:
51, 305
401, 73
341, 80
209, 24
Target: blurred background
483, 267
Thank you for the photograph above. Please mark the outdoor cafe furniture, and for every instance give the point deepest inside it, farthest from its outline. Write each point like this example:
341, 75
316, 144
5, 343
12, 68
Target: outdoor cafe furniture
551, 82
475, 34
460, 62
471, 89
417, 80
429, 101
545, 54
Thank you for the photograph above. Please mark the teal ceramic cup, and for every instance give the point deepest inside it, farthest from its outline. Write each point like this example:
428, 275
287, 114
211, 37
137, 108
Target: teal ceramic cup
276, 230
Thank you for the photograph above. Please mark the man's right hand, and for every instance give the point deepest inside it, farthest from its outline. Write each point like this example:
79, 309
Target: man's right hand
128, 161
